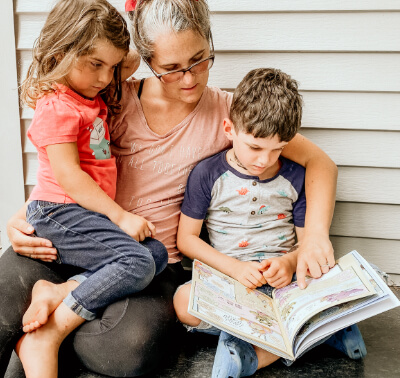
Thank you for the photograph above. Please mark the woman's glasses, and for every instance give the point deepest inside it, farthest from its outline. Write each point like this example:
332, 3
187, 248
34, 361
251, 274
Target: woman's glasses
195, 69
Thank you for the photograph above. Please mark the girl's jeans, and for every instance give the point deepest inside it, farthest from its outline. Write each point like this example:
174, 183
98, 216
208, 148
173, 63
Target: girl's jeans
116, 264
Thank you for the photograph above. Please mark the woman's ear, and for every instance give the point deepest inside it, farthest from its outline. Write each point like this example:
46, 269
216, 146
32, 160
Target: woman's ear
228, 128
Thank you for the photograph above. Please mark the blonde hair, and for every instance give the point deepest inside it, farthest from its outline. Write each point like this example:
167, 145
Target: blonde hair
153, 17
267, 103
71, 30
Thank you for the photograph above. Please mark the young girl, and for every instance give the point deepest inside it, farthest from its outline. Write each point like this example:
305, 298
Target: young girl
78, 54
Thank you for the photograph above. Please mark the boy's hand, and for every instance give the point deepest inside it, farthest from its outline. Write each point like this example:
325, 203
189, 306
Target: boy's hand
278, 271
135, 226
315, 257
248, 273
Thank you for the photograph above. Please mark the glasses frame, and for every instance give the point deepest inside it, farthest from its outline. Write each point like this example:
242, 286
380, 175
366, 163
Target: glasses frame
183, 70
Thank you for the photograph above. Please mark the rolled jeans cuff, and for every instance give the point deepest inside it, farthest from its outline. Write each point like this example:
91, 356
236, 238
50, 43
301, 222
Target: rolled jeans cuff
78, 278
78, 309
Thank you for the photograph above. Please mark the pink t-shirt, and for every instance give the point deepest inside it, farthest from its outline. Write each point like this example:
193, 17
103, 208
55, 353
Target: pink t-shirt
153, 169
65, 117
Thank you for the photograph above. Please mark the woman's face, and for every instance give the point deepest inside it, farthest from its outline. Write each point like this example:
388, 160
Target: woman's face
175, 51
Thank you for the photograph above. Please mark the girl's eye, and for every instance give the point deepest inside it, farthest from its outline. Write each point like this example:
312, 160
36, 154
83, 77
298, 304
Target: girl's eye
95, 64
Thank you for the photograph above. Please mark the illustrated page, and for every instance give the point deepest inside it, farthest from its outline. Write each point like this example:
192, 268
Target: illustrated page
296, 306
227, 304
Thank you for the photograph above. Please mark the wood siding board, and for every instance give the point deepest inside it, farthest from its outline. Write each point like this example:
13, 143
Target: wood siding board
366, 220
314, 72
383, 253
358, 148
25, 6
368, 185
275, 32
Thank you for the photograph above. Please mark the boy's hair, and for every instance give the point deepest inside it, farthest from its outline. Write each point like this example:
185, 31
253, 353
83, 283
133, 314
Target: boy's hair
154, 17
267, 103
71, 31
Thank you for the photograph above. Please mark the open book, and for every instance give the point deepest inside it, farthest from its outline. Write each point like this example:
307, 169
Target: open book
293, 320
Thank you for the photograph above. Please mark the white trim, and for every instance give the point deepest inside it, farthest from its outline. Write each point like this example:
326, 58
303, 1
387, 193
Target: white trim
11, 169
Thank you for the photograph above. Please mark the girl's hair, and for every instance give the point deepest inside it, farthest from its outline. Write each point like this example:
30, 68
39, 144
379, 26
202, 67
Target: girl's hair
71, 31
267, 103
153, 17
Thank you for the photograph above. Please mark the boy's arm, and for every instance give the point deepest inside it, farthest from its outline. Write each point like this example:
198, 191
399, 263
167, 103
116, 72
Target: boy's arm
65, 163
316, 249
190, 244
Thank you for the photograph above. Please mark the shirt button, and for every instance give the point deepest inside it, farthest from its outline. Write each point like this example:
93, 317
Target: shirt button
253, 212
254, 183
254, 199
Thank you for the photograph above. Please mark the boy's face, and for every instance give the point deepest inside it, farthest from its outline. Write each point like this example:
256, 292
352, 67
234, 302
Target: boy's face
253, 156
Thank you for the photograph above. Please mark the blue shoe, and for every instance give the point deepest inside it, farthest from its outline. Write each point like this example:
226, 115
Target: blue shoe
234, 358
349, 341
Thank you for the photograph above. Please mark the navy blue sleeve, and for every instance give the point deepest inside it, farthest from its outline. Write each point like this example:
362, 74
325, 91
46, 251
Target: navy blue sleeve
295, 173
199, 186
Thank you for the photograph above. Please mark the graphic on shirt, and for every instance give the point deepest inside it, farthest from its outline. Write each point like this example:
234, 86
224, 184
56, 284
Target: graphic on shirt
225, 209
282, 193
281, 216
263, 209
98, 143
243, 243
242, 191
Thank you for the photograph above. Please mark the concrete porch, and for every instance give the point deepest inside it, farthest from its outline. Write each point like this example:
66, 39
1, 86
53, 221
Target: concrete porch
195, 354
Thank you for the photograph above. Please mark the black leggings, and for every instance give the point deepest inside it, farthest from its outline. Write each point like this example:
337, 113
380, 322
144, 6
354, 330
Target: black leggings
128, 339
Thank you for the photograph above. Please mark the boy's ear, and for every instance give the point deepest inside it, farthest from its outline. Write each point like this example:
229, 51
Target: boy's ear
228, 128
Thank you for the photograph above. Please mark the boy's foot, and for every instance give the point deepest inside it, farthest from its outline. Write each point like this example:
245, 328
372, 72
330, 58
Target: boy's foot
349, 341
46, 297
234, 358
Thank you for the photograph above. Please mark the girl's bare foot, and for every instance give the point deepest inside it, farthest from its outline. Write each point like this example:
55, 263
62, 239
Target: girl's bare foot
46, 297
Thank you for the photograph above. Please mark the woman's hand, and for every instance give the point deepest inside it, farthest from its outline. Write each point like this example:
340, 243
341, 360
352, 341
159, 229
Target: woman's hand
315, 257
136, 226
25, 243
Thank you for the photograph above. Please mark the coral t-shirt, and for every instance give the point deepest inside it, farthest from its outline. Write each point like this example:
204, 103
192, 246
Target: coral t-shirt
64, 117
153, 169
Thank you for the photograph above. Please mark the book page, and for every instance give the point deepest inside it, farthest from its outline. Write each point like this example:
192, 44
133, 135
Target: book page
296, 306
227, 304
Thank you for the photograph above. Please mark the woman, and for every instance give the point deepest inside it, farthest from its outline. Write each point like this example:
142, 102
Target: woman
169, 122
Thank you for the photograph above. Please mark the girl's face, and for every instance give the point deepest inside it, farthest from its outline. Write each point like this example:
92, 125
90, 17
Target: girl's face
175, 51
92, 73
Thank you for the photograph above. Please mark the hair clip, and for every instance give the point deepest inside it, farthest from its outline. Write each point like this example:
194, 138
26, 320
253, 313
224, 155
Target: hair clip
130, 5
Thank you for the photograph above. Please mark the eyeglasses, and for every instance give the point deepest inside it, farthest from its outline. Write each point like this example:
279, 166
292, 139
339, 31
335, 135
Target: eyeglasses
176, 75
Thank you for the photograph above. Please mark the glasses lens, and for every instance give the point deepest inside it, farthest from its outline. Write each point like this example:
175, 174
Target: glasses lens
197, 69
172, 77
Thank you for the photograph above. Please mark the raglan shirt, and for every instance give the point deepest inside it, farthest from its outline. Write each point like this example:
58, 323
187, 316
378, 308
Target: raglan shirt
65, 117
247, 218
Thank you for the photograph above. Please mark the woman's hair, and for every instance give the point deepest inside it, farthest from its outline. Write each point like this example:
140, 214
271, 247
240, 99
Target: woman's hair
71, 31
267, 103
154, 17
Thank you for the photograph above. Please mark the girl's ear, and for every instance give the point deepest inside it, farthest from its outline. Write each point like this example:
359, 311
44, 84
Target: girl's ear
228, 128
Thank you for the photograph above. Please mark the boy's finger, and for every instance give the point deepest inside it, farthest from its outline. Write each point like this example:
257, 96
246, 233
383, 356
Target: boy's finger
272, 270
264, 265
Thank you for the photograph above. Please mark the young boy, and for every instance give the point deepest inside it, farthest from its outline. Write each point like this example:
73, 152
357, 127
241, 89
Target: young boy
253, 201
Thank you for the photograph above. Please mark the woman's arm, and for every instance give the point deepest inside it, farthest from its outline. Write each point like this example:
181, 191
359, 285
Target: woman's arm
315, 251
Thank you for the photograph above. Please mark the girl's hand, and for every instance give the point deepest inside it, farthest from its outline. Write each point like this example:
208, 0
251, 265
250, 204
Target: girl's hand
248, 273
135, 226
315, 257
279, 271
21, 237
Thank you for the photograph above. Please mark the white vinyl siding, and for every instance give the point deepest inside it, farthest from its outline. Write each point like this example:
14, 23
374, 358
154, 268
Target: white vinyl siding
346, 56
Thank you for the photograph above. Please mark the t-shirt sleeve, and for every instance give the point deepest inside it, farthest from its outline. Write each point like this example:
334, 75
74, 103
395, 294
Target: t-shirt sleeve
198, 193
54, 122
299, 208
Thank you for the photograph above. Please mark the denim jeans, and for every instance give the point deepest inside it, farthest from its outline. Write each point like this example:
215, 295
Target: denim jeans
116, 265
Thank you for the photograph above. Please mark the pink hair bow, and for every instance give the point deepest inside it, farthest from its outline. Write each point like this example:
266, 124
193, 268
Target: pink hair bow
130, 5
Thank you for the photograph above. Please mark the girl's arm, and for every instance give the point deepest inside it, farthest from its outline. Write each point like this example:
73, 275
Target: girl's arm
65, 164
315, 251
190, 244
